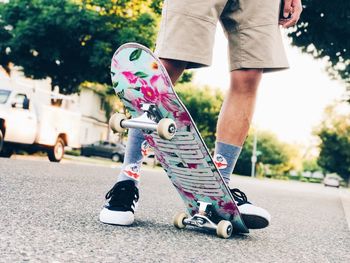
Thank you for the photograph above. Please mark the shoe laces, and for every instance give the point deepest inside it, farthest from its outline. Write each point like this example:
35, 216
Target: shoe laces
123, 195
239, 196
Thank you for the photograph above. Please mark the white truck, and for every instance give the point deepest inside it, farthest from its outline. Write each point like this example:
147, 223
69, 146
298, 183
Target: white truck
37, 120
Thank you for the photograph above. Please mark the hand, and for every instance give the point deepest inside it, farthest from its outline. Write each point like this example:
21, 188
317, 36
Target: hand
292, 8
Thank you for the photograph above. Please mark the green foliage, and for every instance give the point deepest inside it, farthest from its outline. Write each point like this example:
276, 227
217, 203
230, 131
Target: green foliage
204, 106
334, 134
71, 41
186, 77
310, 165
270, 152
157, 5
324, 31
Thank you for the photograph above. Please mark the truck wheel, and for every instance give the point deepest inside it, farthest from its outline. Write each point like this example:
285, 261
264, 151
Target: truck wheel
56, 153
4, 151
7, 153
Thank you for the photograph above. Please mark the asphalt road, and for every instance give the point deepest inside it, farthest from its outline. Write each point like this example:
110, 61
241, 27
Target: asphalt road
49, 213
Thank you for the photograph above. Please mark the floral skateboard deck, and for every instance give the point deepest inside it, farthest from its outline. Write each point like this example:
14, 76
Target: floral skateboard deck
140, 79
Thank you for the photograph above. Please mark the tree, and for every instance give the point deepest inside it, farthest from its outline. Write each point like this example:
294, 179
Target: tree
186, 77
270, 151
334, 134
71, 41
324, 31
204, 105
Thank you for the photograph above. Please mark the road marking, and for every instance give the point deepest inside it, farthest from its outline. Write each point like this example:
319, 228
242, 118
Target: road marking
345, 199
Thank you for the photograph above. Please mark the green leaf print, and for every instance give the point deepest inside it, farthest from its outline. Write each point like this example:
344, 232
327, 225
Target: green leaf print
141, 74
135, 54
115, 84
120, 94
175, 103
135, 88
129, 108
125, 99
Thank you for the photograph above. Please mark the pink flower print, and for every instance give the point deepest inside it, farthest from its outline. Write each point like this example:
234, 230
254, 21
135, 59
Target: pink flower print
184, 193
167, 102
166, 81
130, 77
160, 158
155, 81
192, 165
150, 140
136, 103
160, 83
228, 207
213, 198
115, 63
184, 118
149, 93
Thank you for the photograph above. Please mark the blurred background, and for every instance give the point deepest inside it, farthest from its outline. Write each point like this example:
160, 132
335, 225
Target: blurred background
56, 95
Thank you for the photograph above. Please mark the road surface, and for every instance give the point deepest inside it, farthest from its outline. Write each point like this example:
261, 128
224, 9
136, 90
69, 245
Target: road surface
49, 213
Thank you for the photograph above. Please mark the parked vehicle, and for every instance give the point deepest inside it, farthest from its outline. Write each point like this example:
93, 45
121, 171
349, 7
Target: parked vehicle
114, 151
36, 120
331, 180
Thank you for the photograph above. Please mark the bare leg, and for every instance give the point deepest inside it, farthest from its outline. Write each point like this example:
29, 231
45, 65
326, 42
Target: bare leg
174, 68
238, 107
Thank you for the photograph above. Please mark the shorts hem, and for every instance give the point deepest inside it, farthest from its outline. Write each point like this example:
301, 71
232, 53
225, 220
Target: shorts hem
265, 66
194, 61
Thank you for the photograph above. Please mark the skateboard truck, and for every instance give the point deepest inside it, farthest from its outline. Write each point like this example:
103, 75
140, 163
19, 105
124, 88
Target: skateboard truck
151, 120
202, 219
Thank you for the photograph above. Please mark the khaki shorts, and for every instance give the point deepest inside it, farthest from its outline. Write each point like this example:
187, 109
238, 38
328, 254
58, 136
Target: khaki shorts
188, 28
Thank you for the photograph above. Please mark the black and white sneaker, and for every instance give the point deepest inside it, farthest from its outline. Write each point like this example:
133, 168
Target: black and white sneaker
254, 217
120, 209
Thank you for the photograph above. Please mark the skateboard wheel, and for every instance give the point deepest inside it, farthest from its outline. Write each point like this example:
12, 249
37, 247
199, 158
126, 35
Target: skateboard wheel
115, 122
179, 220
166, 128
224, 229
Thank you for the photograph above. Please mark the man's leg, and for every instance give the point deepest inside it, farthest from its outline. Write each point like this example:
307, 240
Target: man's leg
238, 107
235, 118
232, 129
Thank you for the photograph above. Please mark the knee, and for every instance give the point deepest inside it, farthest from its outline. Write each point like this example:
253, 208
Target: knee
246, 81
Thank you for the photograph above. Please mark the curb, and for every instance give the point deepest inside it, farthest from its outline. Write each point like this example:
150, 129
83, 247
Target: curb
345, 200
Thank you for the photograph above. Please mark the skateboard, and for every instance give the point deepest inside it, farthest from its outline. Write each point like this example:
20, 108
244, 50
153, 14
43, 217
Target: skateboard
143, 85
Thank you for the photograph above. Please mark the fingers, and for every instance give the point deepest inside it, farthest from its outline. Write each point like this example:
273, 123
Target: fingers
296, 9
287, 8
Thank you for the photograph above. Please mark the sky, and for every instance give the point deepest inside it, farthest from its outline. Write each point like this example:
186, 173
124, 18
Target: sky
290, 102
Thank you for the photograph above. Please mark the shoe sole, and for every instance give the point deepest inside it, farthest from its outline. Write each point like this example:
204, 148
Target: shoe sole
113, 218
254, 221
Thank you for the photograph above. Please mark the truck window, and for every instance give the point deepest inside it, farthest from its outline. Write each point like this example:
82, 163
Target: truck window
4, 95
19, 100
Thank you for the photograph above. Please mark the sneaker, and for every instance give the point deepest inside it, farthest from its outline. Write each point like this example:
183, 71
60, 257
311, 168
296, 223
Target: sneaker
120, 209
254, 217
